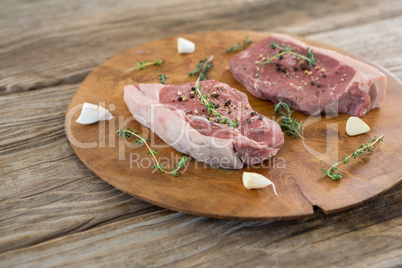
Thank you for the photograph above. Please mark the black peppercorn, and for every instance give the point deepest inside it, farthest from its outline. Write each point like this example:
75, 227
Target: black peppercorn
229, 112
260, 117
278, 68
228, 102
193, 89
318, 84
304, 67
192, 96
295, 68
280, 57
312, 83
324, 75
180, 98
252, 113
248, 120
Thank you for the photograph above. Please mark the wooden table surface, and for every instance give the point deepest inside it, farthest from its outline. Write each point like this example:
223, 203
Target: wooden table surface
55, 212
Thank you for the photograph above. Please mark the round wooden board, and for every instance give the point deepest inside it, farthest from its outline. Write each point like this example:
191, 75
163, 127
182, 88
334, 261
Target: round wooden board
205, 191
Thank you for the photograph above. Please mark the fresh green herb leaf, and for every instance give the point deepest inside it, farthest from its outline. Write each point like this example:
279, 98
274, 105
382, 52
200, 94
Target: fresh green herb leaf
182, 161
369, 146
142, 65
153, 152
246, 42
140, 141
284, 49
127, 132
162, 78
288, 123
202, 68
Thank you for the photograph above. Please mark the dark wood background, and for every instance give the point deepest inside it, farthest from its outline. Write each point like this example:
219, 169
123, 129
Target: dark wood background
55, 212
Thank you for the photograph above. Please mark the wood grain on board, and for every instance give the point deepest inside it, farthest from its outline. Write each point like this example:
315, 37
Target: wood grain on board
55, 212
205, 191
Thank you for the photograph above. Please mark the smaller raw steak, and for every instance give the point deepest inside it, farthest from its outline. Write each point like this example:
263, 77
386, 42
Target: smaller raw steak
336, 83
178, 117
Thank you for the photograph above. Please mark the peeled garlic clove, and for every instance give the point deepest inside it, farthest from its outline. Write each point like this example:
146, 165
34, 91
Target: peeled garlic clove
185, 46
253, 180
356, 126
92, 113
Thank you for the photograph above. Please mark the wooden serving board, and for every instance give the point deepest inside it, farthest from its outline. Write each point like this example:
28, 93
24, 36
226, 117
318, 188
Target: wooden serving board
205, 191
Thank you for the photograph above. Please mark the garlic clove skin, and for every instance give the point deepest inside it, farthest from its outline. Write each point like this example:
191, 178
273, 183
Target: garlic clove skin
185, 46
92, 113
356, 126
253, 180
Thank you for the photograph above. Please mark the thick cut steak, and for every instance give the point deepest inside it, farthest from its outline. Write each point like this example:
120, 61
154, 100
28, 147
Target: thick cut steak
178, 117
336, 83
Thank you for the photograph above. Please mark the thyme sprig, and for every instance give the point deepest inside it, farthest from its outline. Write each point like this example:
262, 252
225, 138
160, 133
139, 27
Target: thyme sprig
369, 147
246, 42
210, 106
127, 132
288, 123
162, 78
142, 65
309, 58
202, 68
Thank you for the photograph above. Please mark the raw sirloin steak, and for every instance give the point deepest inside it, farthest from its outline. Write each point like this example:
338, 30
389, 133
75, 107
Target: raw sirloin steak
336, 83
178, 117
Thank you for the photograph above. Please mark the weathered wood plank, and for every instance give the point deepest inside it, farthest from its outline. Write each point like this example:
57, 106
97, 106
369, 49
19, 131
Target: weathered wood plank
369, 235
36, 52
377, 41
46, 191
51, 201
54, 212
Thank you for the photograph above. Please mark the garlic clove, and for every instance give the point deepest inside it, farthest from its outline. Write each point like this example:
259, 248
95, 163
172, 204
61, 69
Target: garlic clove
185, 46
356, 126
92, 113
253, 180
